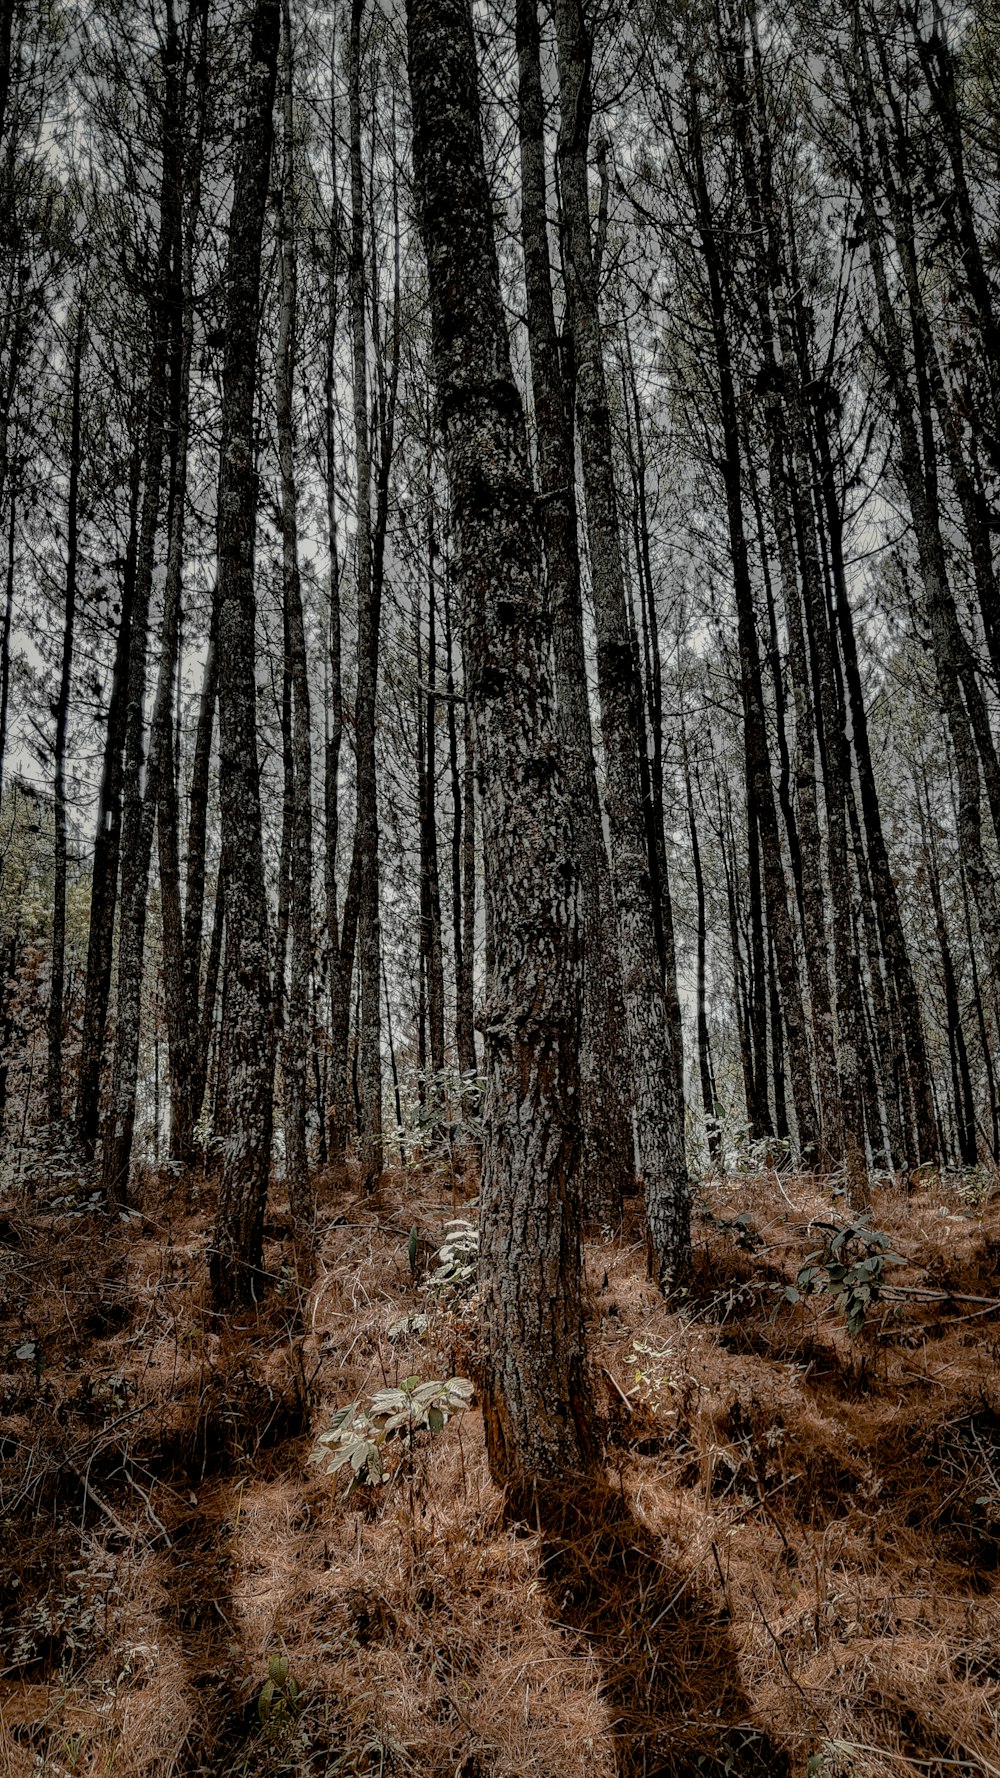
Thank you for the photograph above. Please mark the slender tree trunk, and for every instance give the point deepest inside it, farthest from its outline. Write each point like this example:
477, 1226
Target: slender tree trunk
366, 840
760, 792
107, 842
139, 800
965, 1113
340, 942
659, 1108
921, 1141
940, 605
465, 1037
295, 1040
536, 1399
248, 1036
57, 973
435, 948
708, 1095
607, 1135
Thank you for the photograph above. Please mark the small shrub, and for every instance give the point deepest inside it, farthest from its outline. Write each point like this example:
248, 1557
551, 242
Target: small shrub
849, 1267
358, 1435
278, 1702
457, 1258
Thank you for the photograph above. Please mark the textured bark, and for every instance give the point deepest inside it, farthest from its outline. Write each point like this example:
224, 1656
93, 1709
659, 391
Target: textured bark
607, 1159
965, 1114
366, 834
139, 799
659, 1108
296, 1032
429, 838
200, 1001
461, 892
247, 1035
467, 1055
107, 843
708, 1096
57, 974
536, 1398
340, 944
181, 984
5, 629
740, 991
648, 669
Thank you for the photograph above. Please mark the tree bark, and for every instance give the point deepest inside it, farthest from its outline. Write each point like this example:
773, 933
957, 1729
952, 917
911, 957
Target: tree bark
366, 838
247, 1036
57, 974
297, 1024
607, 1158
536, 1399
659, 1108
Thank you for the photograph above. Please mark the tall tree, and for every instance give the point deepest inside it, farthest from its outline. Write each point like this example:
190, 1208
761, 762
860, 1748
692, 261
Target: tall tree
656, 1080
536, 1396
607, 1134
58, 963
366, 840
247, 1032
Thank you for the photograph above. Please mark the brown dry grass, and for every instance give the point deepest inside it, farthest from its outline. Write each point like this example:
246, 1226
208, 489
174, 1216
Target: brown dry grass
790, 1567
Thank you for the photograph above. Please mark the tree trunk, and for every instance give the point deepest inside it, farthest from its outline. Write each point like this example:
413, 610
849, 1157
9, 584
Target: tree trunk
536, 1399
659, 1108
366, 836
58, 965
760, 791
295, 1038
138, 800
247, 1036
607, 1158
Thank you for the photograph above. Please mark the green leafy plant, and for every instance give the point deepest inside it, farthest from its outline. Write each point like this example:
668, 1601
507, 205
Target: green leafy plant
850, 1267
457, 1257
278, 1701
358, 1435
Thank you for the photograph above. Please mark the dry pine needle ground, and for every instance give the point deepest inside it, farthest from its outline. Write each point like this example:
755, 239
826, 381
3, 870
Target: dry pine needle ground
790, 1567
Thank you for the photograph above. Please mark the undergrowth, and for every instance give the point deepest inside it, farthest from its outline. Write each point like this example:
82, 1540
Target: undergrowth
789, 1565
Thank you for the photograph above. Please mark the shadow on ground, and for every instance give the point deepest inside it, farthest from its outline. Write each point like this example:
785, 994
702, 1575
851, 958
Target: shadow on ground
670, 1676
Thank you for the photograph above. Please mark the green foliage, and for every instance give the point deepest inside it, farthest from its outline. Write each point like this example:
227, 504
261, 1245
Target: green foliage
849, 1267
357, 1437
457, 1258
442, 1116
278, 1702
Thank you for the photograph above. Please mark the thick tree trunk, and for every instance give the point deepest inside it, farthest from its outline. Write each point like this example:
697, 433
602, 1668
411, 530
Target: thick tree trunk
247, 1036
659, 1107
536, 1398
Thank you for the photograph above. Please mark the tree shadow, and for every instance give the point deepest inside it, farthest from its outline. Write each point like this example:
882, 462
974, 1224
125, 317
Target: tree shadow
670, 1678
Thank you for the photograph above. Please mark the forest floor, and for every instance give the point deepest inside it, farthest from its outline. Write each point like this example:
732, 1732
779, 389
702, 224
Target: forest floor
793, 1567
